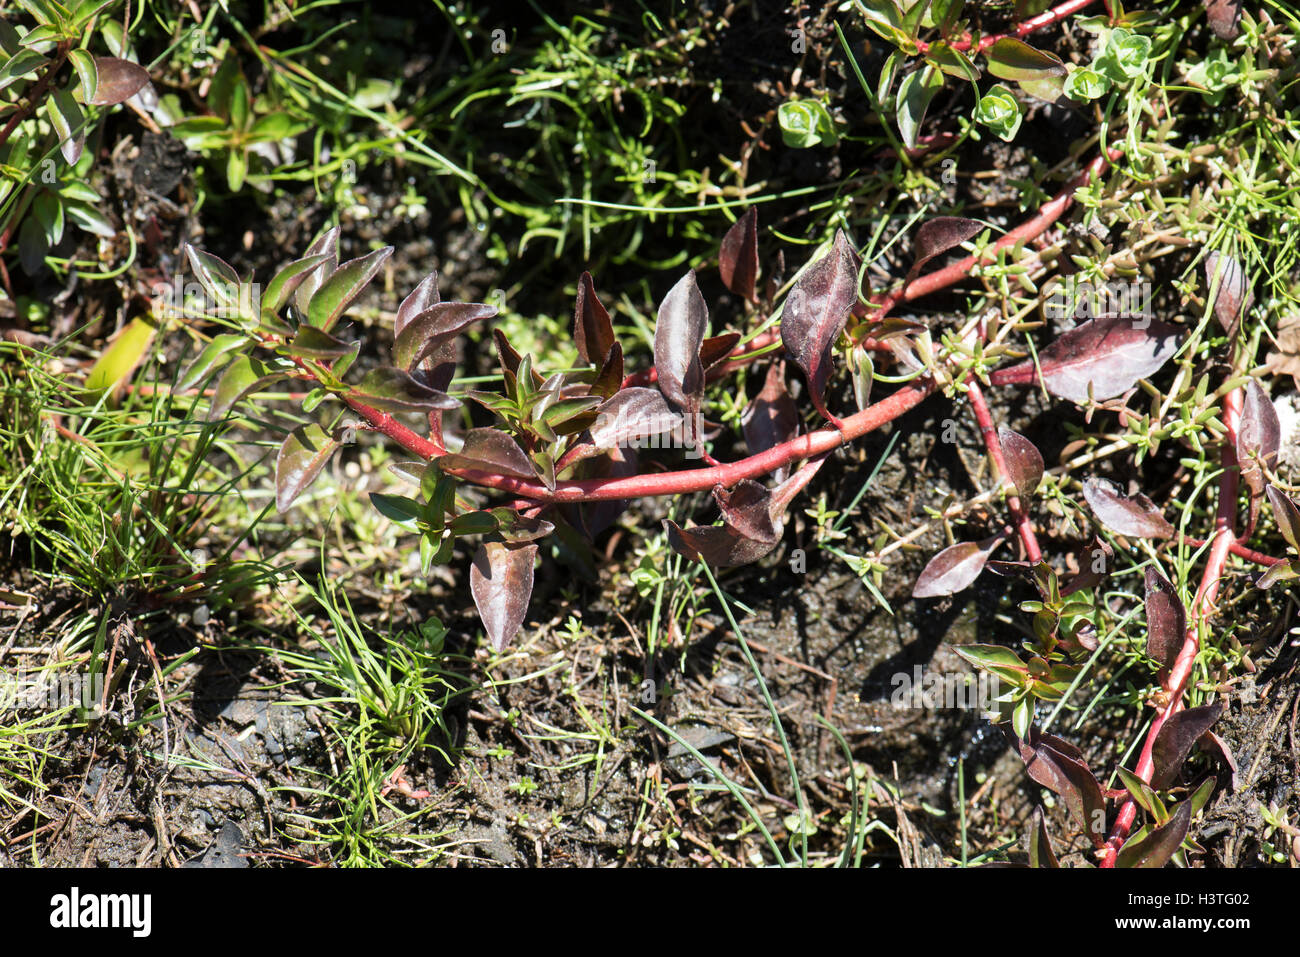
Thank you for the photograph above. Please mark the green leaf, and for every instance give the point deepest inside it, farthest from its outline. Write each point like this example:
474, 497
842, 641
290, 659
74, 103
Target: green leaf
239, 99
214, 355
91, 220
120, 358
999, 110
283, 283
217, 277
236, 169
49, 213
397, 508
67, 118
1126, 55
1085, 84
805, 123
242, 377
302, 456
272, 128
474, 523
87, 73
1012, 59
21, 64
914, 96
393, 390
343, 286
312, 343
885, 18
1143, 794
952, 62
1022, 717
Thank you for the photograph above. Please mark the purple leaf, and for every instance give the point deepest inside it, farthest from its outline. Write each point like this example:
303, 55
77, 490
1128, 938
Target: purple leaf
936, 236
1287, 516
1155, 848
954, 568
1024, 461
1222, 16
771, 418
491, 450
747, 509
753, 520
719, 545
610, 377
1213, 744
395, 390
328, 246
1059, 767
314, 343
815, 312
717, 349
679, 331
738, 258
341, 289
592, 330
1234, 296
302, 456
1174, 742
1259, 436
244, 376
422, 335
1281, 572
749, 532
1111, 355
1166, 621
1012, 59
119, 80
501, 581
1135, 517
520, 528
1040, 845
283, 283
1094, 561
634, 413
422, 298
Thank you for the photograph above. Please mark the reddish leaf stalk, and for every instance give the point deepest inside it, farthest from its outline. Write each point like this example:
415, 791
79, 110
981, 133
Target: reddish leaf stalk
1203, 606
1031, 228
1020, 30
985, 419
698, 480
385, 423
1241, 551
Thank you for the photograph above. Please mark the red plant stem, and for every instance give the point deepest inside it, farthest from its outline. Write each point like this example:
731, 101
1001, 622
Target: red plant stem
697, 480
985, 419
1241, 551
385, 423
1031, 228
1046, 19
1202, 607
816, 443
